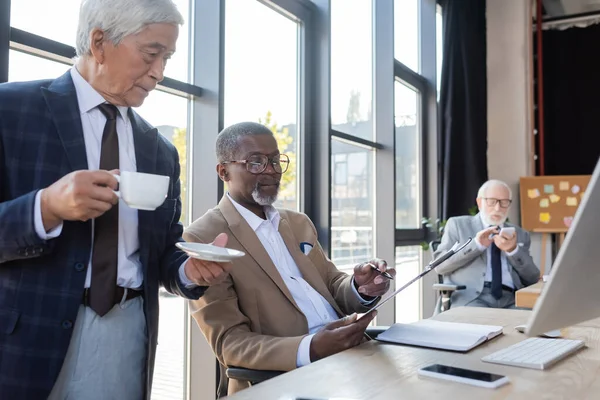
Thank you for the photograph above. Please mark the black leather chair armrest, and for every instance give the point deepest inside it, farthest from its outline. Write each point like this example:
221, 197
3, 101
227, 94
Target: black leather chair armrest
251, 375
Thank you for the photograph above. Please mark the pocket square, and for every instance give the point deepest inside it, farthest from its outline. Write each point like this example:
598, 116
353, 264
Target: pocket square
306, 247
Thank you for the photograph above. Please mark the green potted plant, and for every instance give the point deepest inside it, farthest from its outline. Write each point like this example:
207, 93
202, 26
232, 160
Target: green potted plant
435, 229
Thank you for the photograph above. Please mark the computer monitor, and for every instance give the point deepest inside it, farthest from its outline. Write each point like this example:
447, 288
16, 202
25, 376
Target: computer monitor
572, 293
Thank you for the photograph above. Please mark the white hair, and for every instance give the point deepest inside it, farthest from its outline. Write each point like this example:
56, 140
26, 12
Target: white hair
492, 183
121, 18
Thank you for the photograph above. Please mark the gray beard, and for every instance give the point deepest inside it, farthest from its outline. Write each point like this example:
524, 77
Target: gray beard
261, 199
486, 218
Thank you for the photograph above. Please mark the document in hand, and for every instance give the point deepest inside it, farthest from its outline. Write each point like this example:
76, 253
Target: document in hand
440, 335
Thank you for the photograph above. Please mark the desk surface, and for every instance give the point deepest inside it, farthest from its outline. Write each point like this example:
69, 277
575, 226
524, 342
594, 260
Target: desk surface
381, 371
526, 297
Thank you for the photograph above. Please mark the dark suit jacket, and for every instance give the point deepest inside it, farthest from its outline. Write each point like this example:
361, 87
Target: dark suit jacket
41, 282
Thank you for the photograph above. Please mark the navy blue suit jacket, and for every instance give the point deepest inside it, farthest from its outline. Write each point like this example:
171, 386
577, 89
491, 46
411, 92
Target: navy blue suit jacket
41, 282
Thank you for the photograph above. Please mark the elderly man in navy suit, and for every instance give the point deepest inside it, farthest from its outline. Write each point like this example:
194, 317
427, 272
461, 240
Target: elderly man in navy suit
79, 269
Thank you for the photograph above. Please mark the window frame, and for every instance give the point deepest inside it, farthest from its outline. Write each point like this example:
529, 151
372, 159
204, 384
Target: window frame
409, 78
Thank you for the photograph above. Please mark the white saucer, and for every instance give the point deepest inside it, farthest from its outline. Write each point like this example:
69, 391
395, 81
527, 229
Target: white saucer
208, 252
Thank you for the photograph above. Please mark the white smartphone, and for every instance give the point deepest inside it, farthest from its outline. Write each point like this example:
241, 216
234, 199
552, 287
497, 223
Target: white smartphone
461, 375
507, 231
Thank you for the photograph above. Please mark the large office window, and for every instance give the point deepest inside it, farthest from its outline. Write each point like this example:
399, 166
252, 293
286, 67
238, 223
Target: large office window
439, 47
262, 80
25, 67
44, 22
409, 204
408, 265
406, 33
352, 202
352, 145
415, 129
408, 157
168, 113
352, 67
40, 17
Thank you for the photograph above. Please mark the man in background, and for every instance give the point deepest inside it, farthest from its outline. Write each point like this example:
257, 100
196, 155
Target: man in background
497, 262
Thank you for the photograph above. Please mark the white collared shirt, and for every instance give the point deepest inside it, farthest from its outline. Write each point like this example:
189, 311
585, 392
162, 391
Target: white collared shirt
315, 308
506, 276
129, 272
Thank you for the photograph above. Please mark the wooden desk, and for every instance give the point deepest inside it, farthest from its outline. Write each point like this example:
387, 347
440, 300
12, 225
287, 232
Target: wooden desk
381, 371
526, 297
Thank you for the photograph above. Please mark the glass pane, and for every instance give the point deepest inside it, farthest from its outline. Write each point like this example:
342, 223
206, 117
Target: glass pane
352, 202
177, 67
168, 113
406, 33
408, 265
261, 79
351, 67
25, 67
439, 47
44, 22
408, 157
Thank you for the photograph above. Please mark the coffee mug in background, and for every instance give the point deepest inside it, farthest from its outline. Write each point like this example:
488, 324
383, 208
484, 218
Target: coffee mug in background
142, 191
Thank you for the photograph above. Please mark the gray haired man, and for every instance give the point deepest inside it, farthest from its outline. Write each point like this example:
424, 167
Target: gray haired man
497, 262
80, 270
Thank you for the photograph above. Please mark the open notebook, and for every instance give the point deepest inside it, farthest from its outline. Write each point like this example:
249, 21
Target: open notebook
440, 335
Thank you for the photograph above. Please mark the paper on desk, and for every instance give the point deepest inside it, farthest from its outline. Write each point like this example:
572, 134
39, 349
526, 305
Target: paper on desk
440, 335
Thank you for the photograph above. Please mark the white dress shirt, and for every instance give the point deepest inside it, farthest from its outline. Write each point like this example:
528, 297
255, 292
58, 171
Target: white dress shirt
506, 276
129, 272
315, 308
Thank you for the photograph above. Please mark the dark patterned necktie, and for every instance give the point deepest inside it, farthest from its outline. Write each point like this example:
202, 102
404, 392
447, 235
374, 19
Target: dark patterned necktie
496, 271
106, 227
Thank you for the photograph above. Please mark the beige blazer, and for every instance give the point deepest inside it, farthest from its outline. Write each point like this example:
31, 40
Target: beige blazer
251, 319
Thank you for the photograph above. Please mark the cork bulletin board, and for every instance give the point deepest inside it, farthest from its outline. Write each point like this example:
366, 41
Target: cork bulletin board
548, 203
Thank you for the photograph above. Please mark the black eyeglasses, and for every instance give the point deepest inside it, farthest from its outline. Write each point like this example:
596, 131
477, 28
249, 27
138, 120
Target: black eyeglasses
257, 164
491, 202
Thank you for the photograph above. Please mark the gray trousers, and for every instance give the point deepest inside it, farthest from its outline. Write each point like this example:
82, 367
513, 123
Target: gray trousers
485, 299
106, 358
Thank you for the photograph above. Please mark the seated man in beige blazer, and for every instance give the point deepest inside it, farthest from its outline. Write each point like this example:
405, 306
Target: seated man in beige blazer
280, 306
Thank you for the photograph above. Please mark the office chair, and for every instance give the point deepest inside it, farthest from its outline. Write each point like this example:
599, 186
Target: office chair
255, 376
444, 290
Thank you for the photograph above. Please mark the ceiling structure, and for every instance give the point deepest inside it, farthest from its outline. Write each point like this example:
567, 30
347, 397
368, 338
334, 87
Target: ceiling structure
555, 9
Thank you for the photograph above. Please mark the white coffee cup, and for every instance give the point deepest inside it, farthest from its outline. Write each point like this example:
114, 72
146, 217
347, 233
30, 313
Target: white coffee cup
142, 191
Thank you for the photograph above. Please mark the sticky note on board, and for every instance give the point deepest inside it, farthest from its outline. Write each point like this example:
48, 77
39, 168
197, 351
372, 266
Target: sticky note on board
572, 201
582, 193
568, 221
533, 193
554, 198
544, 203
545, 218
548, 188
575, 189
564, 185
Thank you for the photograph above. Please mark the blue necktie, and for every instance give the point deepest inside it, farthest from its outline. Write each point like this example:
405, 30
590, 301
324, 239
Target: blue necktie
496, 272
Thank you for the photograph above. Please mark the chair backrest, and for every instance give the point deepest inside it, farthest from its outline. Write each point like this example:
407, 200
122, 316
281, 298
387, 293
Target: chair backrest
433, 247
